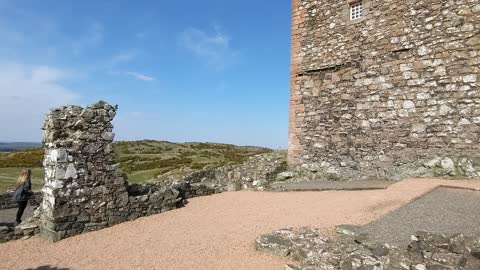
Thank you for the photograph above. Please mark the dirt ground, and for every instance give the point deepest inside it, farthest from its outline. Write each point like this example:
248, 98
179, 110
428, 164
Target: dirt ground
214, 232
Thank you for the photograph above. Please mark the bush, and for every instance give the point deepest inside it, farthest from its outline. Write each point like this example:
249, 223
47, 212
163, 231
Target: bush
32, 158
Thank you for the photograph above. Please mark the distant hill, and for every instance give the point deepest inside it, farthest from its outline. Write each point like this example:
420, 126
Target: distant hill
141, 160
14, 146
159, 160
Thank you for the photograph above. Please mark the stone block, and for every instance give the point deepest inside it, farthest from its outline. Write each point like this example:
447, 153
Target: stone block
52, 236
108, 136
234, 186
112, 220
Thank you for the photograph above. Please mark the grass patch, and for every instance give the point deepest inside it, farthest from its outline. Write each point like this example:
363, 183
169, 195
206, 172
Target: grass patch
157, 160
8, 177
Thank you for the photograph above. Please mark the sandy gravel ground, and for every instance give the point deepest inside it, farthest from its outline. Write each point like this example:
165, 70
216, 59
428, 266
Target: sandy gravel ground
215, 232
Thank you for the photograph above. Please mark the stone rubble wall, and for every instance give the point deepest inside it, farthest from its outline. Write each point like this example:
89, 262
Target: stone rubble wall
6, 201
392, 95
84, 191
313, 251
23, 231
140, 201
254, 174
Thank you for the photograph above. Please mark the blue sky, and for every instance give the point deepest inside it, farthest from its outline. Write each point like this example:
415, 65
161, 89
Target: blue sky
211, 70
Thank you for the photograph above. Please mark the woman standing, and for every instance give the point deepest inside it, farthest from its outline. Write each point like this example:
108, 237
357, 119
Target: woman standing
23, 192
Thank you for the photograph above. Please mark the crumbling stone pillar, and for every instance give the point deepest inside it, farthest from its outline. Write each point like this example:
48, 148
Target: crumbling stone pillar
83, 189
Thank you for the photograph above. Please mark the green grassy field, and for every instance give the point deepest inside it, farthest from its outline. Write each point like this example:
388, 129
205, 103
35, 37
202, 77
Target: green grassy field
142, 161
158, 160
8, 177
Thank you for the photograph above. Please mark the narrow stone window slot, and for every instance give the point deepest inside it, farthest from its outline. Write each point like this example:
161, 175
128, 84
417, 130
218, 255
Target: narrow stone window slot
356, 10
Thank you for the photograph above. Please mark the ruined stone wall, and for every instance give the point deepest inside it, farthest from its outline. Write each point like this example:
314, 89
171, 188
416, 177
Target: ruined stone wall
84, 190
256, 173
391, 95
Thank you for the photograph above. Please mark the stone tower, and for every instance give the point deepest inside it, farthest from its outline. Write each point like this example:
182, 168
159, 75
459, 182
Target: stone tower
385, 89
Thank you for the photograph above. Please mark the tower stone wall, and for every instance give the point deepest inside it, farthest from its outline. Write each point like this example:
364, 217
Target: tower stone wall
392, 94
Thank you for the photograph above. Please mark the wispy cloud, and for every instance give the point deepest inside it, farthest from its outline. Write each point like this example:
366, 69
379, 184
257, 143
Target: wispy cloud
46, 74
26, 94
123, 57
139, 76
92, 38
213, 47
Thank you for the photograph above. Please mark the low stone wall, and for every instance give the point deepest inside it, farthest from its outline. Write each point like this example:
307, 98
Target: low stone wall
316, 251
6, 201
140, 201
255, 173
24, 230
445, 167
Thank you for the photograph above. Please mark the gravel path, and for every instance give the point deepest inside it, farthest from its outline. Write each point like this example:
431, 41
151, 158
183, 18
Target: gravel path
444, 210
214, 232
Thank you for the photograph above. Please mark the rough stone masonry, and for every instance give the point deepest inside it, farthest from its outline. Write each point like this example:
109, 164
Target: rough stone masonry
385, 88
84, 190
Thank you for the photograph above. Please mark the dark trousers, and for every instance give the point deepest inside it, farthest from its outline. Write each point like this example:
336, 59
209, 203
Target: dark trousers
21, 207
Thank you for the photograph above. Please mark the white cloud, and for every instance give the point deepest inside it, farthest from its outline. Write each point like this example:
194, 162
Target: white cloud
134, 75
139, 76
46, 74
213, 47
26, 94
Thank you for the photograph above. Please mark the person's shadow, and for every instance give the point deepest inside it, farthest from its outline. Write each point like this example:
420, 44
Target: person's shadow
48, 267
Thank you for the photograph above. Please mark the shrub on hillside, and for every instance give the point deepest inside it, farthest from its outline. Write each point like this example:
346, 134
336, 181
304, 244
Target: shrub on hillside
32, 158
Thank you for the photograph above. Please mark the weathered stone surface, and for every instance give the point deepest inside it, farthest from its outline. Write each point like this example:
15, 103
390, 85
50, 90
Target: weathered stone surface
23, 231
378, 97
291, 242
83, 189
426, 251
347, 229
256, 173
284, 176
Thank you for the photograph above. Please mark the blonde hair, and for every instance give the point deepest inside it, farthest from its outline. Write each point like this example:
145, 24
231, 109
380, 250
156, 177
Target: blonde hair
24, 176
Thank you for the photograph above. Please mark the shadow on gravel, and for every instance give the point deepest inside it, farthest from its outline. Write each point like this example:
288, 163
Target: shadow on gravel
48, 267
443, 210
